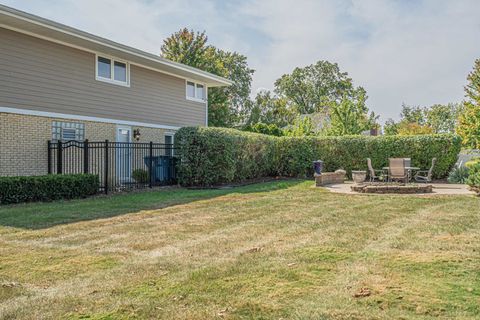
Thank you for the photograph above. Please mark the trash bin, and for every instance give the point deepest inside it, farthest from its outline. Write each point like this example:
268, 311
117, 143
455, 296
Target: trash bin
318, 166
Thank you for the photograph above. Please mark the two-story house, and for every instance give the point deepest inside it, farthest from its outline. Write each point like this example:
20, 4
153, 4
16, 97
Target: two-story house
60, 83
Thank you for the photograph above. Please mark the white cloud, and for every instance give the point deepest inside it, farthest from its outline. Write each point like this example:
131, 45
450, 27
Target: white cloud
418, 52
415, 52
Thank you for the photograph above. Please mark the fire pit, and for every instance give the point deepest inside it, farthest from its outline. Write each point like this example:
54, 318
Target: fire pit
384, 188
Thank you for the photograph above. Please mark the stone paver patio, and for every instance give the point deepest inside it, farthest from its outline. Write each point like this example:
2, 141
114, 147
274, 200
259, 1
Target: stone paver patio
438, 189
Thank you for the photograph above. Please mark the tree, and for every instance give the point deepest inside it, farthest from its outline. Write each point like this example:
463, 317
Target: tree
226, 105
315, 87
270, 109
302, 126
270, 129
413, 129
350, 116
469, 120
412, 114
187, 47
442, 118
427, 120
390, 128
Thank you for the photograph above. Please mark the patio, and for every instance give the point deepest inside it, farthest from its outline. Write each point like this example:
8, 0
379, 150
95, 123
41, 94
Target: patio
438, 188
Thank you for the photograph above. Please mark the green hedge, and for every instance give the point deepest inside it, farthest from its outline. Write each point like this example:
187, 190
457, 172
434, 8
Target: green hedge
350, 152
47, 188
216, 155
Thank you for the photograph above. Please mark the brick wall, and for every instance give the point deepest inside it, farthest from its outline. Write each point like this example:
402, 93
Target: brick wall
23, 141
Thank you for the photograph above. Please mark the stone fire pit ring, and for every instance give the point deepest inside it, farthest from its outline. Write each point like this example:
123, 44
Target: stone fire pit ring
392, 188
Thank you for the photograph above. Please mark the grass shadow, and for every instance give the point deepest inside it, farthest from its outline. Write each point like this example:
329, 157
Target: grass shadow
36, 216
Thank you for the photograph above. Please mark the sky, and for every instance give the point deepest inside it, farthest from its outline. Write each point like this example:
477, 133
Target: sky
416, 52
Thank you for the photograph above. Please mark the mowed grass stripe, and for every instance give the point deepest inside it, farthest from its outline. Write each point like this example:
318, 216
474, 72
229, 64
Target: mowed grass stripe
267, 251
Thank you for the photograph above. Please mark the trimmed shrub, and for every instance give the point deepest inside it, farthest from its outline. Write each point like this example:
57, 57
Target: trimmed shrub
474, 177
350, 152
212, 156
47, 188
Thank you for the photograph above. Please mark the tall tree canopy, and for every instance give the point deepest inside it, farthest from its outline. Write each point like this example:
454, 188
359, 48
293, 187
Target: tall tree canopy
350, 116
443, 118
469, 120
226, 105
417, 120
315, 87
269, 109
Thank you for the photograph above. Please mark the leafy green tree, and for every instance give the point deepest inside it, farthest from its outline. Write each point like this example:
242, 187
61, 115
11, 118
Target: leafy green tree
269, 109
302, 126
270, 129
390, 128
417, 120
315, 87
412, 114
226, 105
187, 47
469, 120
350, 116
442, 118
413, 129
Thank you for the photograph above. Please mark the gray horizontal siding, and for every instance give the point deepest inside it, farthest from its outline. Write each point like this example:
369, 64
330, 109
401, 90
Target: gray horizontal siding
44, 76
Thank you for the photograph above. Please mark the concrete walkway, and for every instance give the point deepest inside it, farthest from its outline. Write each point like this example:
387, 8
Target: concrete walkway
438, 189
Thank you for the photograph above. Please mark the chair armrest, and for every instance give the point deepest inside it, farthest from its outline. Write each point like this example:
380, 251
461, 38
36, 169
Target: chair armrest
421, 172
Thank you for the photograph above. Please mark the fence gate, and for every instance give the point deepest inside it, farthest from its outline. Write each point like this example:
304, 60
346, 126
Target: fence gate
119, 165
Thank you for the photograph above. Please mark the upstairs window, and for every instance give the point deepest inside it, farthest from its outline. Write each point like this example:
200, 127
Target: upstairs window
196, 91
113, 71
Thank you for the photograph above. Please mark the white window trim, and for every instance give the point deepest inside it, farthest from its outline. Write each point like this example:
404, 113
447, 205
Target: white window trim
169, 134
124, 127
112, 67
195, 91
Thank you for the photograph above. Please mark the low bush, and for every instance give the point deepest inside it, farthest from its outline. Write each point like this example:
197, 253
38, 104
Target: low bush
216, 155
47, 188
140, 175
474, 177
472, 162
458, 175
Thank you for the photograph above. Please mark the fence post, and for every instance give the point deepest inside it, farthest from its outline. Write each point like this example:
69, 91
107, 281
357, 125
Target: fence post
150, 165
49, 158
106, 167
86, 159
59, 157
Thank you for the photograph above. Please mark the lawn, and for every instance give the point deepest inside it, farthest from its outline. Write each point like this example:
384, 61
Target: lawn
266, 251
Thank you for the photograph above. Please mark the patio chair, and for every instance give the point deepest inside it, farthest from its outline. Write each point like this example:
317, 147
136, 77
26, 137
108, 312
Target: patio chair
425, 175
374, 174
397, 170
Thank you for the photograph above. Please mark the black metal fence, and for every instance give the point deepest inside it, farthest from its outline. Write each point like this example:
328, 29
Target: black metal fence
119, 165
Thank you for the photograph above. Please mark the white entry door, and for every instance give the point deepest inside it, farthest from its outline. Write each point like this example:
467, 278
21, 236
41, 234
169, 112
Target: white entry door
124, 153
